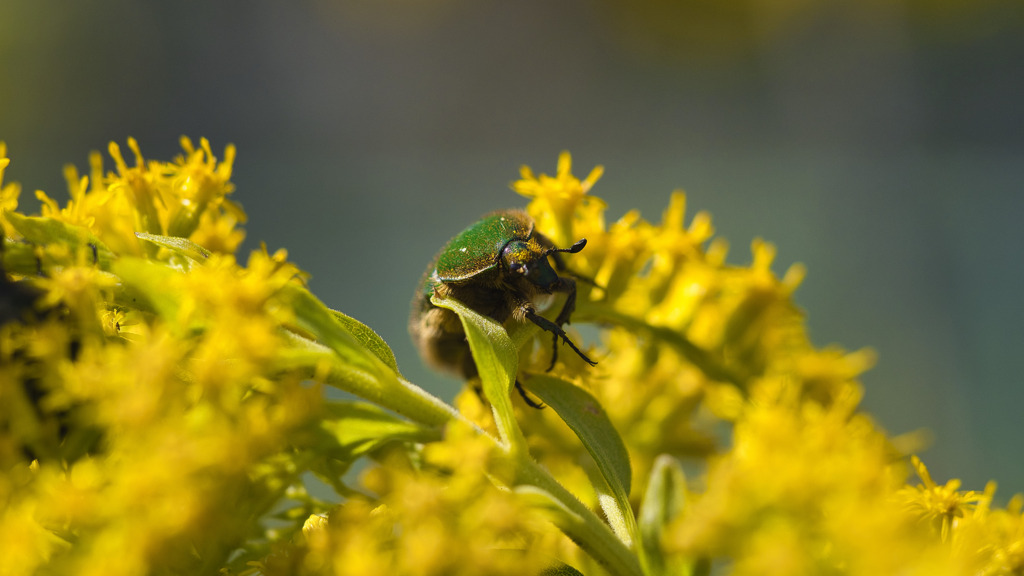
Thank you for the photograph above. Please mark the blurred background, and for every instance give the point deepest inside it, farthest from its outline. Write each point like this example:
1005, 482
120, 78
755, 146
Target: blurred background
877, 141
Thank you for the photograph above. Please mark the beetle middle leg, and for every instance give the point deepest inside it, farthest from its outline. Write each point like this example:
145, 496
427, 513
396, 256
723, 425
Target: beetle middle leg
567, 285
479, 389
529, 401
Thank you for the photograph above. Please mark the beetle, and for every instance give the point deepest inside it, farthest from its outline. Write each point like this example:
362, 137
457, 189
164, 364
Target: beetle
497, 267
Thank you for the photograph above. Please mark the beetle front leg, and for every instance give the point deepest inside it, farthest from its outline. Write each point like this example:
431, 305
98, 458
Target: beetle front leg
557, 331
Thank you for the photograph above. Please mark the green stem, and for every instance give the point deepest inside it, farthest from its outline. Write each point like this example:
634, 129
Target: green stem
382, 386
422, 406
580, 523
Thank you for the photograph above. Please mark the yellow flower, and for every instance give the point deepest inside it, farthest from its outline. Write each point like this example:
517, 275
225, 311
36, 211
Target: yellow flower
144, 387
943, 506
805, 490
186, 198
557, 199
1001, 537
427, 522
161, 409
8, 192
694, 333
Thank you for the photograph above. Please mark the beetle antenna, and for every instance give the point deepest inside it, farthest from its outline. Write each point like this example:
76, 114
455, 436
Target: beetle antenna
572, 249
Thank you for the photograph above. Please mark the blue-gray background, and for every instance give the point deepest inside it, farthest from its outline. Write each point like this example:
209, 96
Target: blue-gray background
880, 143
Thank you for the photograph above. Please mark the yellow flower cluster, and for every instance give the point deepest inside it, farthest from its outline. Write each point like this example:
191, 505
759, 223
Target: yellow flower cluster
443, 519
142, 426
186, 198
690, 336
712, 361
162, 411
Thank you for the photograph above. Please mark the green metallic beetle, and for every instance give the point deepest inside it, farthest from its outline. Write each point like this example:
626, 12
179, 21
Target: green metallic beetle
497, 267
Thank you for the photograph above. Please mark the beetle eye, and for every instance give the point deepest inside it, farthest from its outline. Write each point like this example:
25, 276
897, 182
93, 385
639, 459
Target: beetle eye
517, 267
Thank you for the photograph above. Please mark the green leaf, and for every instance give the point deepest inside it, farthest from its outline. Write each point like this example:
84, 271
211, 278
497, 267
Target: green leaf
146, 285
323, 324
348, 431
43, 230
368, 338
19, 257
367, 372
587, 418
182, 246
561, 570
497, 362
357, 428
664, 499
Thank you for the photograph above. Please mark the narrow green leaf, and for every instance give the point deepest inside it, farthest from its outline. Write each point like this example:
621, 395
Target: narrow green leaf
353, 366
664, 499
368, 338
43, 230
498, 359
497, 362
561, 570
357, 428
587, 418
181, 246
317, 319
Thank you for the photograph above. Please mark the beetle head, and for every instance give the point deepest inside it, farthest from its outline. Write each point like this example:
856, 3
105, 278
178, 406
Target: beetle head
530, 259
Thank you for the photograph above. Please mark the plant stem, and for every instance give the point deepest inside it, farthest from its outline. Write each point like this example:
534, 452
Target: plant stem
579, 522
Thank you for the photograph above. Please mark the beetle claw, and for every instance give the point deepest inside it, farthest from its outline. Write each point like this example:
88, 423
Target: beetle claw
578, 352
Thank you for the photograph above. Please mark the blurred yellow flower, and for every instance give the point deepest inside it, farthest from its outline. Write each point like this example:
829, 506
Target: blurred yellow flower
429, 523
8, 192
944, 505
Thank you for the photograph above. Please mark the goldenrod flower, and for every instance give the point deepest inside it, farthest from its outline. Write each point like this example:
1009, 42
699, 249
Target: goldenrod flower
8, 192
162, 410
556, 200
431, 523
944, 505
